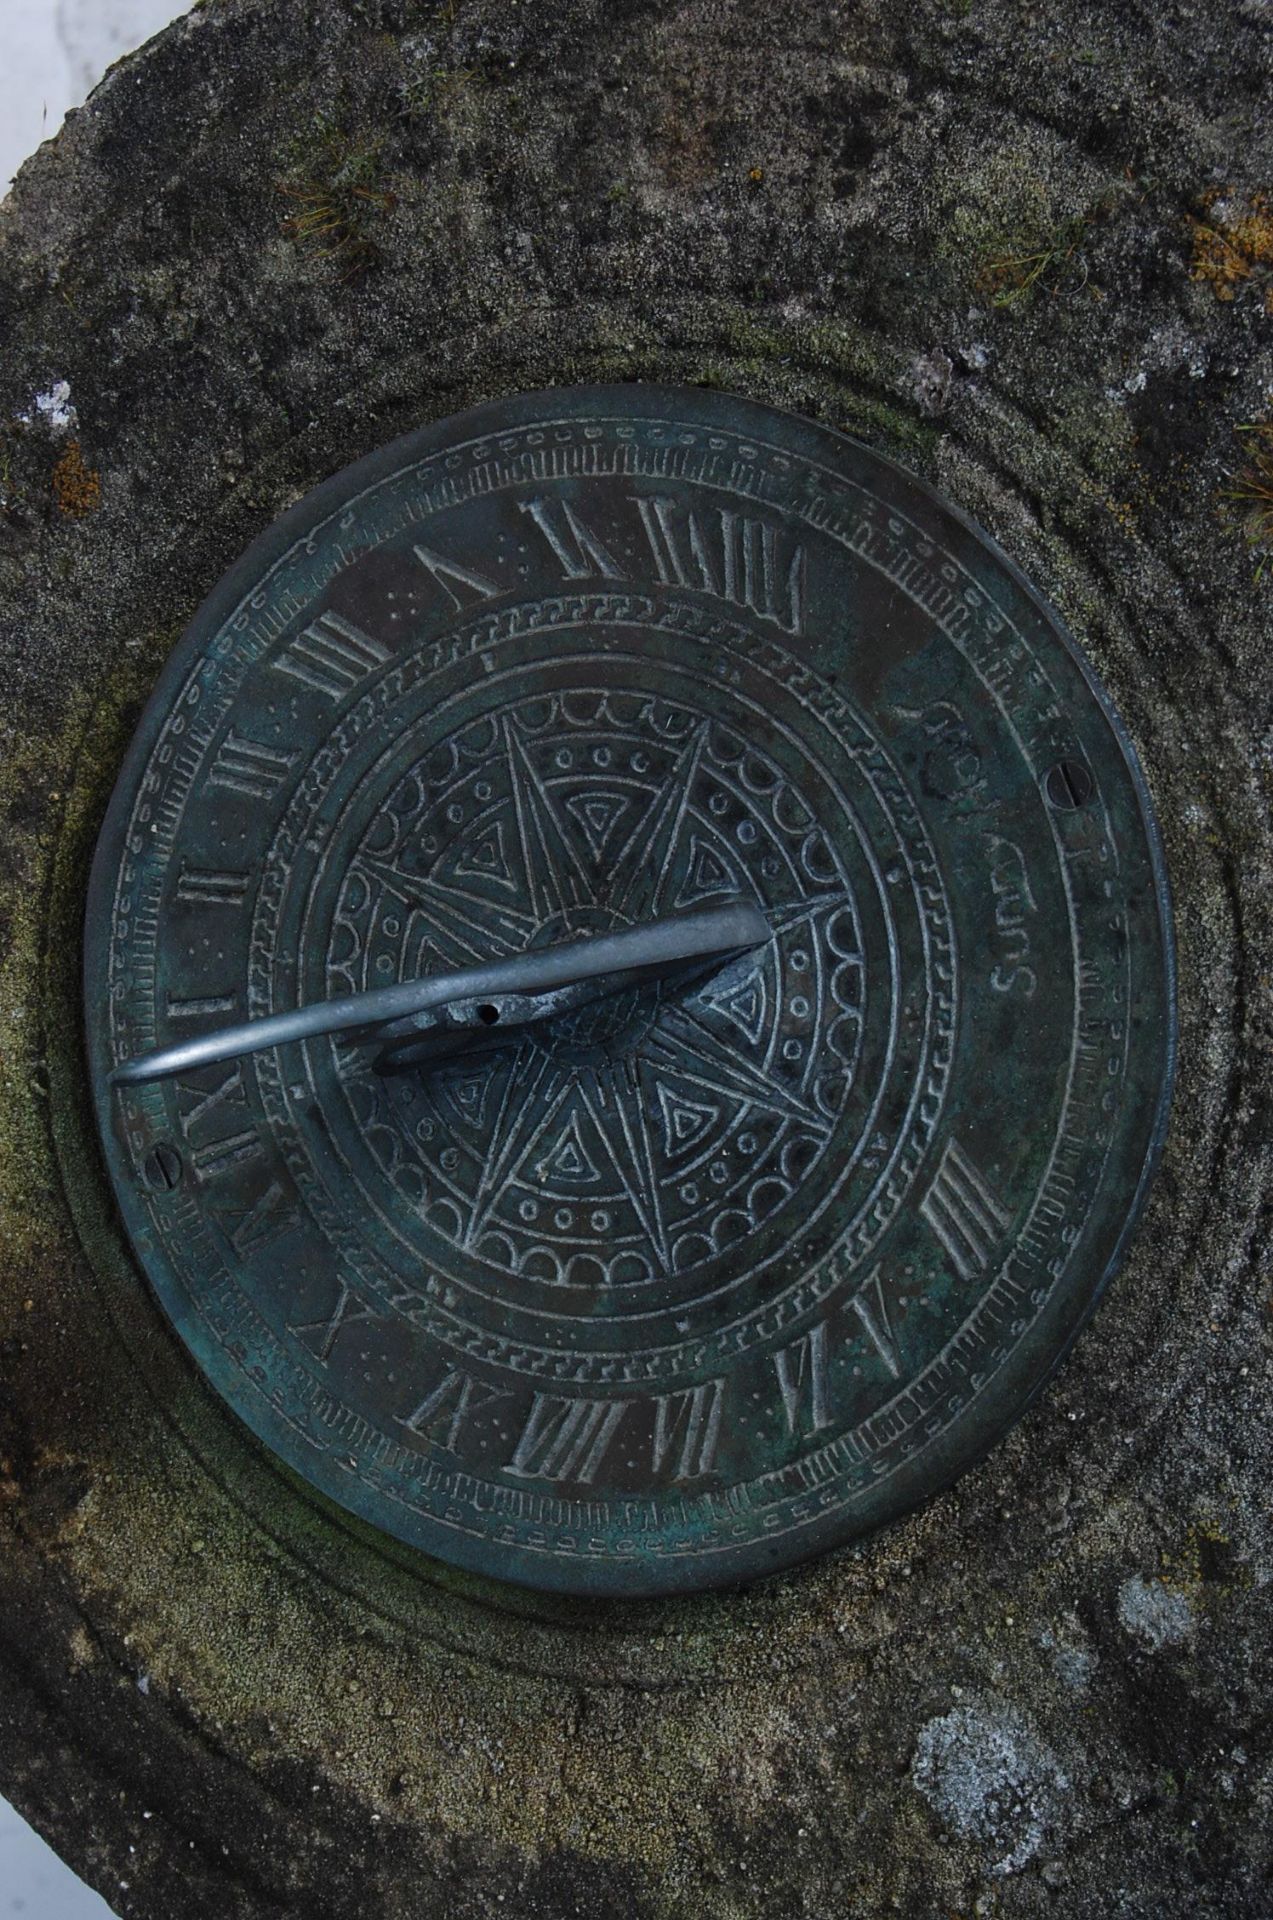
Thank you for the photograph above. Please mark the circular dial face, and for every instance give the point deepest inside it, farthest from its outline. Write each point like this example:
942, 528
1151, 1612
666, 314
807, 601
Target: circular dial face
700, 1276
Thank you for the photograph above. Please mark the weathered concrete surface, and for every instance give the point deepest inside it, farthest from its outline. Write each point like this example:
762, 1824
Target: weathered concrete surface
1020, 248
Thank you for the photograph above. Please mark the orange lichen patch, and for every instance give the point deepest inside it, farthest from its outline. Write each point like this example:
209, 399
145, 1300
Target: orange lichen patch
77, 487
1232, 239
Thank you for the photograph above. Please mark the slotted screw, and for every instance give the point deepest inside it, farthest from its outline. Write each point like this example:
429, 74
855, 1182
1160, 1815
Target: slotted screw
1068, 784
161, 1169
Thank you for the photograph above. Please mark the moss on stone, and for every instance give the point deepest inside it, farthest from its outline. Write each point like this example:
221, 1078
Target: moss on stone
1018, 224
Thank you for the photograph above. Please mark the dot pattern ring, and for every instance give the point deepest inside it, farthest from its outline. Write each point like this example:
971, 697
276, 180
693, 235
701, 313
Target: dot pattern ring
704, 1275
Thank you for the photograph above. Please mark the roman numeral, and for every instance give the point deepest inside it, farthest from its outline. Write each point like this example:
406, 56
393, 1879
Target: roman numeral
802, 1381
690, 1421
347, 1312
964, 1213
676, 568
331, 655
444, 571
732, 555
218, 1155
207, 888
259, 1225
199, 1009
752, 574
871, 1308
195, 1104
582, 555
566, 1439
440, 1416
246, 766
206, 1100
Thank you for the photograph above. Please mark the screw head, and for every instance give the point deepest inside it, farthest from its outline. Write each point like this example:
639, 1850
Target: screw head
161, 1168
1068, 784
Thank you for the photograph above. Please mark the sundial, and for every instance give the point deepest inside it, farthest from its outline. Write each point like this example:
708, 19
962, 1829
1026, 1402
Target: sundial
629, 989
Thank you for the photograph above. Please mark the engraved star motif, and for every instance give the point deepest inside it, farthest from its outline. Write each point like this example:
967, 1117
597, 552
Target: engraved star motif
571, 1119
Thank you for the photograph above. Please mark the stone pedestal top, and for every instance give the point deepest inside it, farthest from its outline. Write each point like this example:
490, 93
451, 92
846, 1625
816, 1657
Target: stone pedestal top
1028, 254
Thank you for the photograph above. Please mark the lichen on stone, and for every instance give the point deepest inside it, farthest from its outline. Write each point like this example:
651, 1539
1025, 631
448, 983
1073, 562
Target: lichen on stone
1154, 1614
988, 1774
77, 487
1233, 242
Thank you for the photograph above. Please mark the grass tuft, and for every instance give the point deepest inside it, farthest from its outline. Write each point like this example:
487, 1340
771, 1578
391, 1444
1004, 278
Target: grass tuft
1011, 277
433, 89
339, 192
1247, 501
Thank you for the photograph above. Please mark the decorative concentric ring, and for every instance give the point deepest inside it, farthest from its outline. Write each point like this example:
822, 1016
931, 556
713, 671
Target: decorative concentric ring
626, 1164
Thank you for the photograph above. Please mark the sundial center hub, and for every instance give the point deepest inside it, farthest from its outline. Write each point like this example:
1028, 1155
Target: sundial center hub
610, 1026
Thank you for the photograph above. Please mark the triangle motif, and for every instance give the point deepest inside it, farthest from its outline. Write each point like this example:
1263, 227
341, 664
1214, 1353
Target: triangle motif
485, 858
709, 873
686, 1122
466, 1095
745, 1002
567, 1161
598, 814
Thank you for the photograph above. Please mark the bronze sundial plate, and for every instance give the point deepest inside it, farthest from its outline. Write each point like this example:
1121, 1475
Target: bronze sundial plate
688, 1284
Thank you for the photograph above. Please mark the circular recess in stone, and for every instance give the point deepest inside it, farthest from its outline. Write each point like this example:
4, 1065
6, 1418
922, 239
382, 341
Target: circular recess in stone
713, 1269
